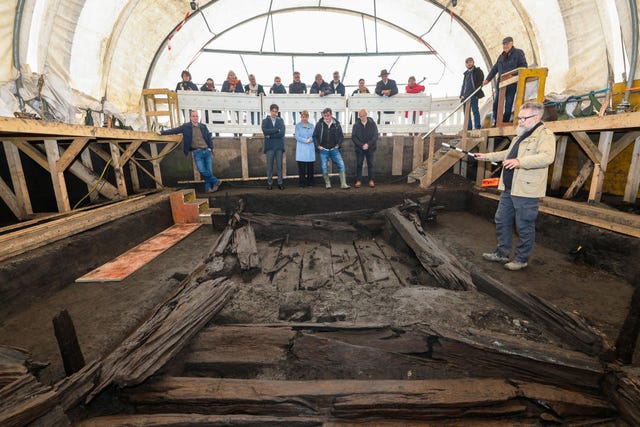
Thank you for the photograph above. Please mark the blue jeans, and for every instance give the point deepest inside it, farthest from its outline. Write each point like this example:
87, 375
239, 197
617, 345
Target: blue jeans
202, 158
509, 96
525, 211
360, 156
336, 158
271, 154
475, 114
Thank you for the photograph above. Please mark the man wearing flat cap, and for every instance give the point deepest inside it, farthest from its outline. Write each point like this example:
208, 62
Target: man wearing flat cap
510, 59
386, 86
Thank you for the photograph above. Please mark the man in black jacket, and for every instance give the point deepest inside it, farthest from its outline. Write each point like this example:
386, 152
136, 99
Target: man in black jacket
365, 137
510, 59
196, 138
328, 137
472, 80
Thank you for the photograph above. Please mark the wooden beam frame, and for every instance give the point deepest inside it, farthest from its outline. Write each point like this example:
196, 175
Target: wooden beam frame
633, 179
604, 146
18, 179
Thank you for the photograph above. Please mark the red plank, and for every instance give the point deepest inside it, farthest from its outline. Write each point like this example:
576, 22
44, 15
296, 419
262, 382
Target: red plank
134, 259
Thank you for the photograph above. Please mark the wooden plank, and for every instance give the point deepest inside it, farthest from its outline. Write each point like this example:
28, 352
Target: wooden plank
558, 163
481, 166
431, 253
317, 271
223, 350
244, 157
32, 152
133, 172
85, 159
17, 178
129, 151
155, 162
358, 399
568, 327
172, 325
71, 152
197, 420
244, 245
401, 270
287, 278
374, 264
418, 152
34, 237
57, 176
590, 149
622, 386
24, 400
346, 264
397, 156
134, 259
633, 178
117, 169
604, 146
579, 181
67, 339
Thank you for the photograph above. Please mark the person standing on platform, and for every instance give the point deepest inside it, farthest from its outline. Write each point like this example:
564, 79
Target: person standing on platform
510, 59
186, 83
273, 129
297, 87
305, 150
523, 182
472, 80
197, 139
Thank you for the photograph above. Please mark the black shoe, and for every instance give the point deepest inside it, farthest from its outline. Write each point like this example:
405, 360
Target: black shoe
280, 186
269, 187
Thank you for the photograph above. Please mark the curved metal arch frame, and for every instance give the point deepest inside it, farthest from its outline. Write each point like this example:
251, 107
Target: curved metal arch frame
474, 36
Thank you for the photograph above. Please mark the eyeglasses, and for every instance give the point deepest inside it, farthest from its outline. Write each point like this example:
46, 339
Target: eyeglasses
522, 119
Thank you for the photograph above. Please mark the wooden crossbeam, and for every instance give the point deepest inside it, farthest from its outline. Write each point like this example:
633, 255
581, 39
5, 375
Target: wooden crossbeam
71, 153
588, 146
18, 178
633, 179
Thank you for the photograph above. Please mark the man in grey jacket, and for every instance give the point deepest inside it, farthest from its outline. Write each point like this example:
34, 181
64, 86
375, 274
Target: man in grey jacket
523, 181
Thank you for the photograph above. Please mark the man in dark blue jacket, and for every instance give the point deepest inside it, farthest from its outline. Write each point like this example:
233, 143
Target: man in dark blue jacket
273, 129
510, 59
473, 78
196, 138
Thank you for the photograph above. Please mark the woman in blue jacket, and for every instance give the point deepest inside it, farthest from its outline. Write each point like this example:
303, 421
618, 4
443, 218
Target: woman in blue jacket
305, 150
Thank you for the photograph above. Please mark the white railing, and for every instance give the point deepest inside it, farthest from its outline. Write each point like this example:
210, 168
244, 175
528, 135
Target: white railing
238, 113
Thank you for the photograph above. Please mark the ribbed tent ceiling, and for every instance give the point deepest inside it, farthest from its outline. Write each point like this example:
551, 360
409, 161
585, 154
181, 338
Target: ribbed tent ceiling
116, 48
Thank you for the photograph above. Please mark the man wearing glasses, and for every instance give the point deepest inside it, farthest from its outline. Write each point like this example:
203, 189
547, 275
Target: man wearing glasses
523, 181
328, 137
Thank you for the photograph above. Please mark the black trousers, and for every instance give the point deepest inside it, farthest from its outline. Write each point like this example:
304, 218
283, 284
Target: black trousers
305, 173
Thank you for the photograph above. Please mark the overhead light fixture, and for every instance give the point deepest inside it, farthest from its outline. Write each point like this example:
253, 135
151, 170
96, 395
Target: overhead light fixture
194, 5
454, 3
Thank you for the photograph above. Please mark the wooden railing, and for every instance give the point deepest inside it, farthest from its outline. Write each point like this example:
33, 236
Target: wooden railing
232, 113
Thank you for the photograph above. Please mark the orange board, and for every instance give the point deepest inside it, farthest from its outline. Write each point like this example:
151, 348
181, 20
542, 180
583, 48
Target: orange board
136, 258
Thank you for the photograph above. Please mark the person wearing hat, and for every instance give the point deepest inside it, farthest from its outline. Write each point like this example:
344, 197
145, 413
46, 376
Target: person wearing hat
386, 86
510, 59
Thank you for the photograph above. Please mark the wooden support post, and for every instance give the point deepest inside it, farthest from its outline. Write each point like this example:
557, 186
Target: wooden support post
633, 179
10, 199
284, 164
65, 331
57, 177
577, 183
117, 167
418, 152
135, 182
71, 153
244, 157
425, 181
153, 148
588, 146
85, 159
480, 174
17, 177
396, 160
561, 148
604, 146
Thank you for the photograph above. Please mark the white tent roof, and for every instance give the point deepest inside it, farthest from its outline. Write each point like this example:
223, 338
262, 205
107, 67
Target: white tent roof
119, 47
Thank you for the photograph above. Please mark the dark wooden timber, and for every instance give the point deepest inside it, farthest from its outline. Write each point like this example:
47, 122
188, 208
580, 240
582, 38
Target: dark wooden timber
65, 332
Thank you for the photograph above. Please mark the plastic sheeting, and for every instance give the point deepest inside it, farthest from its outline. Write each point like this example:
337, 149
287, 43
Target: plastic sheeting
576, 39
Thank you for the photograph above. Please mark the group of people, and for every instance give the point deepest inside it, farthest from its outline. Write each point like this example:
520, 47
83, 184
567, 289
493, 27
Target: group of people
385, 87
325, 138
525, 161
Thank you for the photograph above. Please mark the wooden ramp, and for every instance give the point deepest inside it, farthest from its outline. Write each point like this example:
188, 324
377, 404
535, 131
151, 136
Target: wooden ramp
134, 259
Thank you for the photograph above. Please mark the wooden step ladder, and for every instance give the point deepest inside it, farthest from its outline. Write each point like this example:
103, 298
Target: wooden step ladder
186, 208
